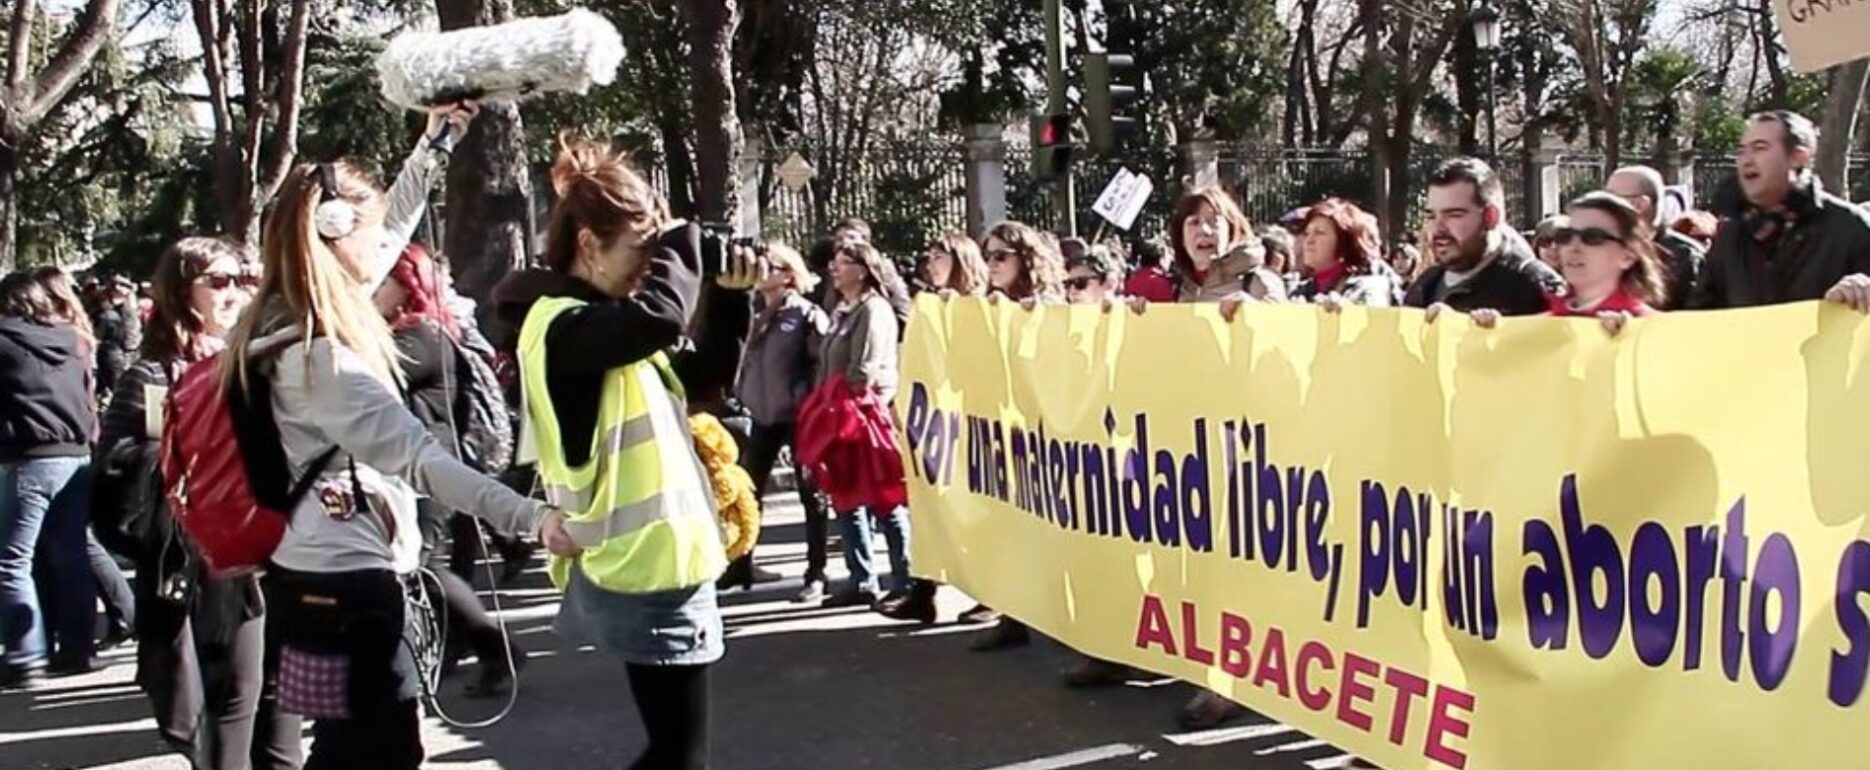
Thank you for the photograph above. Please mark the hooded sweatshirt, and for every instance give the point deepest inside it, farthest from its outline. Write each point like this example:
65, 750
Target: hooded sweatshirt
45, 392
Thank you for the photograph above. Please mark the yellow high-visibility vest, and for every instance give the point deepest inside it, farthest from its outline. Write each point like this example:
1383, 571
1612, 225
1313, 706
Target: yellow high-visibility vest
640, 504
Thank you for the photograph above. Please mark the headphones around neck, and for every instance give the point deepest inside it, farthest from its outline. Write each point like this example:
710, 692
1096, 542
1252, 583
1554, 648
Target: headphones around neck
334, 218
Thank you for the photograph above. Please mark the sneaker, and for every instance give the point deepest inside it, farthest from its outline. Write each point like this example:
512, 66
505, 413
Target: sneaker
1095, 672
979, 616
1008, 634
1208, 710
851, 597
812, 593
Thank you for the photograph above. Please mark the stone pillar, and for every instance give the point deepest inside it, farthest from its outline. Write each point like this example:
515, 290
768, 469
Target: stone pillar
1543, 199
752, 157
1201, 163
986, 177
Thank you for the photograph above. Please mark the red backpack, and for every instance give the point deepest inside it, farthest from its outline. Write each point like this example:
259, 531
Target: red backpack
224, 468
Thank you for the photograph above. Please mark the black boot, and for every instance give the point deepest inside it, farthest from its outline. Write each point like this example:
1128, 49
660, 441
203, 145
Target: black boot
917, 605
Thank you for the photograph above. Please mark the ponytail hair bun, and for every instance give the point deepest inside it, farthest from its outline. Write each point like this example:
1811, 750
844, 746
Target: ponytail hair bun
599, 191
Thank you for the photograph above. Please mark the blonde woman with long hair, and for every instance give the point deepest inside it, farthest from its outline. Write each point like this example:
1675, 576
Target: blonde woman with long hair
315, 344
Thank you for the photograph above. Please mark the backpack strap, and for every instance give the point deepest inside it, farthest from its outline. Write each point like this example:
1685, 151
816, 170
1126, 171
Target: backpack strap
312, 472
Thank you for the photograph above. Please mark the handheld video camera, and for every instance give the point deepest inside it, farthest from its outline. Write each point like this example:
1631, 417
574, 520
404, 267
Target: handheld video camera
717, 244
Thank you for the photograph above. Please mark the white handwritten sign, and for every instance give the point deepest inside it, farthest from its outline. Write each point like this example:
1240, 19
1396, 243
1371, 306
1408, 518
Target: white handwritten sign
1123, 198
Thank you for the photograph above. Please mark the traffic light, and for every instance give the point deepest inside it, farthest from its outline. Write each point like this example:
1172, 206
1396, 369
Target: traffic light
1115, 85
1113, 100
1051, 146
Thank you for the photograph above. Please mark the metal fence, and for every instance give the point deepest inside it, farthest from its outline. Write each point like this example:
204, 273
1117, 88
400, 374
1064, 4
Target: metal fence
911, 192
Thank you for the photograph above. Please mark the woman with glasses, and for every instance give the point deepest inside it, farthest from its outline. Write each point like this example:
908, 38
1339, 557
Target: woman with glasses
202, 640
1023, 264
775, 375
953, 263
1607, 255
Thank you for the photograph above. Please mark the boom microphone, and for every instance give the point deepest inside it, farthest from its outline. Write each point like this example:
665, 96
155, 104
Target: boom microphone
501, 63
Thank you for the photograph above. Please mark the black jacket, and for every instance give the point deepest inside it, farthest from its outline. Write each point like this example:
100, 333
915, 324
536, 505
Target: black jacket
430, 381
1830, 240
1683, 257
45, 392
586, 343
119, 337
1514, 283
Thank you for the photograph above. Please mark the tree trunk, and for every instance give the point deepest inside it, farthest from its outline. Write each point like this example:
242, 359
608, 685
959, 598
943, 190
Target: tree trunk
9, 212
718, 141
26, 98
678, 163
1842, 99
489, 188
1376, 123
1470, 100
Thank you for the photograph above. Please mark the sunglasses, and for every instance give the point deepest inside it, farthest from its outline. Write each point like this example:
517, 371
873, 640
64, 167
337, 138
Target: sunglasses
1080, 283
225, 281
1002, 255
1592, 236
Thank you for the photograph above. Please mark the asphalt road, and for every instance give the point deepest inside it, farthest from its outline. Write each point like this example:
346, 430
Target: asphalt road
800, 688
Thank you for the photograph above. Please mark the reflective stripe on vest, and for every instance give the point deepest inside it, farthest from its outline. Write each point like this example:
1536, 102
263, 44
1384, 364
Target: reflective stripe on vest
640, 504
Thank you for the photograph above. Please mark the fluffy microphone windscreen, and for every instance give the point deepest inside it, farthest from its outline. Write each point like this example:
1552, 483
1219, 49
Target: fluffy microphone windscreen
502, 62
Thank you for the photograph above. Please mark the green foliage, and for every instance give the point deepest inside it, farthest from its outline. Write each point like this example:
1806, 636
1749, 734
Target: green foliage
1718, 126
1215, 64
343, 115
1658, 89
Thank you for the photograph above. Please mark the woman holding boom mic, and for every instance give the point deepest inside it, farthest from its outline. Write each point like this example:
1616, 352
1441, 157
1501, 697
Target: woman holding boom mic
335, 588
608, 416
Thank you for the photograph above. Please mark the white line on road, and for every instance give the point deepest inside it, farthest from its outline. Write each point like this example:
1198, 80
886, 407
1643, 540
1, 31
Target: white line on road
1076, 758
1227, 735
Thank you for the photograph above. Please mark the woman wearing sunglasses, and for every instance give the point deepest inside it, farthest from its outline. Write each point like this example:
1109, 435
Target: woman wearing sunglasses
202, 640
1023, 264
1606, 253
953, 263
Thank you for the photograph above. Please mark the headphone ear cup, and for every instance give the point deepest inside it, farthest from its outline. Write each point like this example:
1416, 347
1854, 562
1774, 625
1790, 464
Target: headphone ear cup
335, 219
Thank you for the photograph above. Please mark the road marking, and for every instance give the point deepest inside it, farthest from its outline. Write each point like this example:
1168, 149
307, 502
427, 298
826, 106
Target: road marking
1076, 758
1227, 735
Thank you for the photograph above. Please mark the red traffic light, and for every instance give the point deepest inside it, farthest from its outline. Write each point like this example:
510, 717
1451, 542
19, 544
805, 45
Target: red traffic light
1055, 130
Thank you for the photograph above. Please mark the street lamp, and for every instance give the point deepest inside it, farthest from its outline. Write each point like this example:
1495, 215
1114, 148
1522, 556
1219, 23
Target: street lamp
1486, 22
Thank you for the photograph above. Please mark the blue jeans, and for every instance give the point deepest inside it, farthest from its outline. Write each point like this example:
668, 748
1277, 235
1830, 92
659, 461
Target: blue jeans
45, 512
856, 527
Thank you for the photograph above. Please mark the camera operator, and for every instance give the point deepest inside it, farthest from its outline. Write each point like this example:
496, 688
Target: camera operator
609, 419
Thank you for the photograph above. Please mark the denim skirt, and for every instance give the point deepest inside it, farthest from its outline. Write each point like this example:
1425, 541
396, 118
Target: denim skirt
671, 628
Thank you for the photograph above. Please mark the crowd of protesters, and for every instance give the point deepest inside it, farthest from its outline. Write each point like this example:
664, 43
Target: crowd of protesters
385, 389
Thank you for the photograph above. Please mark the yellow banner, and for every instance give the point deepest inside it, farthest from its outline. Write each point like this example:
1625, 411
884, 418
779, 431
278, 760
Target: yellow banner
1436, 546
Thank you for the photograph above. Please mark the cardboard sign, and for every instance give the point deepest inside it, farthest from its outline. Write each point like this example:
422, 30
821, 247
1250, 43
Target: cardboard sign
1823, 33
155, 402
1123, 199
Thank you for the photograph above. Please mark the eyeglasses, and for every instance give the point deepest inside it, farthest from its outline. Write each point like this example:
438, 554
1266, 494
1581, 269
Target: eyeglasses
1001, 255
1592, 236
1081, 282
225, 281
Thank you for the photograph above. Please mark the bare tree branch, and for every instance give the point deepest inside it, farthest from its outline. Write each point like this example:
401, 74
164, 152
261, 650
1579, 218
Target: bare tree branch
87, 38
291, 88
20, 40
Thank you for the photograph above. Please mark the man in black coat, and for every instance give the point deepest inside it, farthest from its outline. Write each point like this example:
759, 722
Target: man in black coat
119, 332
1788, 240
1683, 257
1481, 263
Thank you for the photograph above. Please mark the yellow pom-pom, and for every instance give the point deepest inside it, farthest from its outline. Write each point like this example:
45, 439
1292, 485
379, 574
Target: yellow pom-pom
738, 501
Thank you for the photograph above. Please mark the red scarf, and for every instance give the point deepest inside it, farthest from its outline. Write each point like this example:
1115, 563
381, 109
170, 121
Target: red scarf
1327, 279
1619, 301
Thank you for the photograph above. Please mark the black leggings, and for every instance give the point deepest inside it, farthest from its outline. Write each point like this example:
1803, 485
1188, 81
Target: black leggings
673, 701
